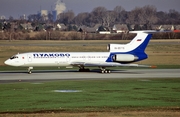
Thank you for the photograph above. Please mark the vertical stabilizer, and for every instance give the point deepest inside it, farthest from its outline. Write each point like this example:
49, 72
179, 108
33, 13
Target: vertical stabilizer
138, 43
135, 48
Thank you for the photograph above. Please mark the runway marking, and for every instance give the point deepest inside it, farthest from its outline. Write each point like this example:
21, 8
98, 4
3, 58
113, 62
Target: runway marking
67, 91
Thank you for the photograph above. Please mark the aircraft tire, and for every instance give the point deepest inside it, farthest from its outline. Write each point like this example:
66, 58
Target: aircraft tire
84, 70
108, 71
105, 71
87, 70
30, 72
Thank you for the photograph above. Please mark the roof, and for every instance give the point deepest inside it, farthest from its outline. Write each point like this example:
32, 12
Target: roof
120, 27
84, 28
61, 26
27, 26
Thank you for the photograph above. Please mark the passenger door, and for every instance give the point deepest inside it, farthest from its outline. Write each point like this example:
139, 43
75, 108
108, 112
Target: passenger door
29, 58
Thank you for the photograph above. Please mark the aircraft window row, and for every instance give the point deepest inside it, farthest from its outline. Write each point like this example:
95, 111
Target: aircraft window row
14, 57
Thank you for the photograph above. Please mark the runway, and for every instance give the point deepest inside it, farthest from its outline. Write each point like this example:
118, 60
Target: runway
48, 75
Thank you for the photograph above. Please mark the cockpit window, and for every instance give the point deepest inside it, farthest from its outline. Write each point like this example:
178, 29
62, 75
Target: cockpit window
14, 57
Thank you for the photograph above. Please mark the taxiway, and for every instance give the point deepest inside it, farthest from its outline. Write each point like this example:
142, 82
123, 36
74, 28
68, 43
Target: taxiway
48, 75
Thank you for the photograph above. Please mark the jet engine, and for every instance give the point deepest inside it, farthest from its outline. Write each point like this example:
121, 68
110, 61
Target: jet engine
124, 58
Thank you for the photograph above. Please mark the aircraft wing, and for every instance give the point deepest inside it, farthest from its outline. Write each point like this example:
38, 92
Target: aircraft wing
107, 64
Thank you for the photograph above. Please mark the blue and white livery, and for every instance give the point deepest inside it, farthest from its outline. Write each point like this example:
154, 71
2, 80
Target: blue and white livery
118, 55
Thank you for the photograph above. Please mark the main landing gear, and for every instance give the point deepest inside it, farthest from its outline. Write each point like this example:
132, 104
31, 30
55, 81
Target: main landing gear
82, 69
30, 70
103, 70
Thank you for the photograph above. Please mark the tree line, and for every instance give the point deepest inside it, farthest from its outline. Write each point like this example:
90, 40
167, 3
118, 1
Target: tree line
146, 16
100, 15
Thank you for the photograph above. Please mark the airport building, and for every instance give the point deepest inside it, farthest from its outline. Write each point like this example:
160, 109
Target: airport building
54, 13
43, 14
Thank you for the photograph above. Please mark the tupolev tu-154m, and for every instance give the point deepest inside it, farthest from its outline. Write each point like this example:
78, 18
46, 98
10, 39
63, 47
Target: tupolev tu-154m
118, 55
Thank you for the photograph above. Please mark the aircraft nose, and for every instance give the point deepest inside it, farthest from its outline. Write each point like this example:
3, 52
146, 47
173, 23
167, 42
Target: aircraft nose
7, 62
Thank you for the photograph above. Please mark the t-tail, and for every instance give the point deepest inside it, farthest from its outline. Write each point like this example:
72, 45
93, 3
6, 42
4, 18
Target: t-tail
133, 51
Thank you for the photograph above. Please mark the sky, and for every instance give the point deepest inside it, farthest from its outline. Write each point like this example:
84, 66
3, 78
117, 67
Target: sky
17, 8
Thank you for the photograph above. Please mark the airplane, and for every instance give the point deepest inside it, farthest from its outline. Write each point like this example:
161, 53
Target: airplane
118, 55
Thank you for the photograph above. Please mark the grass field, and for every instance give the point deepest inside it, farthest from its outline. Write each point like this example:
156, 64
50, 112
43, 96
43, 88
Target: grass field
91, 96
96, 98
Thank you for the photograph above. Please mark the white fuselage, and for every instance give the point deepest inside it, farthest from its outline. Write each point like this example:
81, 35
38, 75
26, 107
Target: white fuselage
39, 59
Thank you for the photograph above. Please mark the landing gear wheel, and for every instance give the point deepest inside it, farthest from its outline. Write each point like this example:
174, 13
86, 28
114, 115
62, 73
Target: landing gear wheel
30, 70
84, 70
87, 70
103, 70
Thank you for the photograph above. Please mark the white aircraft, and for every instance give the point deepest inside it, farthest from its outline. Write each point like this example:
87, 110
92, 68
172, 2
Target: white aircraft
118, 55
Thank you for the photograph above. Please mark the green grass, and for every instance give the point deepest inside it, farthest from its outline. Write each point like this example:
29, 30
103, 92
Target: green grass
96, 95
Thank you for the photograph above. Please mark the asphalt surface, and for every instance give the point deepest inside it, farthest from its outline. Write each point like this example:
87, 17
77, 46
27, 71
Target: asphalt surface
48, 75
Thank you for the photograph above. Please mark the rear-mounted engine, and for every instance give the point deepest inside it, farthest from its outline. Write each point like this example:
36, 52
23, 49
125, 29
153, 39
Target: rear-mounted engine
124, 58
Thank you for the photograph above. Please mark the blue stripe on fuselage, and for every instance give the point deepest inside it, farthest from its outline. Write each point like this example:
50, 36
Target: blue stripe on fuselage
139, 51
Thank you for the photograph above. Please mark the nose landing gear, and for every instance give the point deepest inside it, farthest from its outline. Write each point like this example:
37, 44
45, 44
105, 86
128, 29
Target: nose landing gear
30, 70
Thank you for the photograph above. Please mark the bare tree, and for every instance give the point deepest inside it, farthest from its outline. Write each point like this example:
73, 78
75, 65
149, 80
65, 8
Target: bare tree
174, 16
98, 13
120, 13
81, 18
144, 15
66, 17
109, 18
133, 16
162, 17
149, 13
